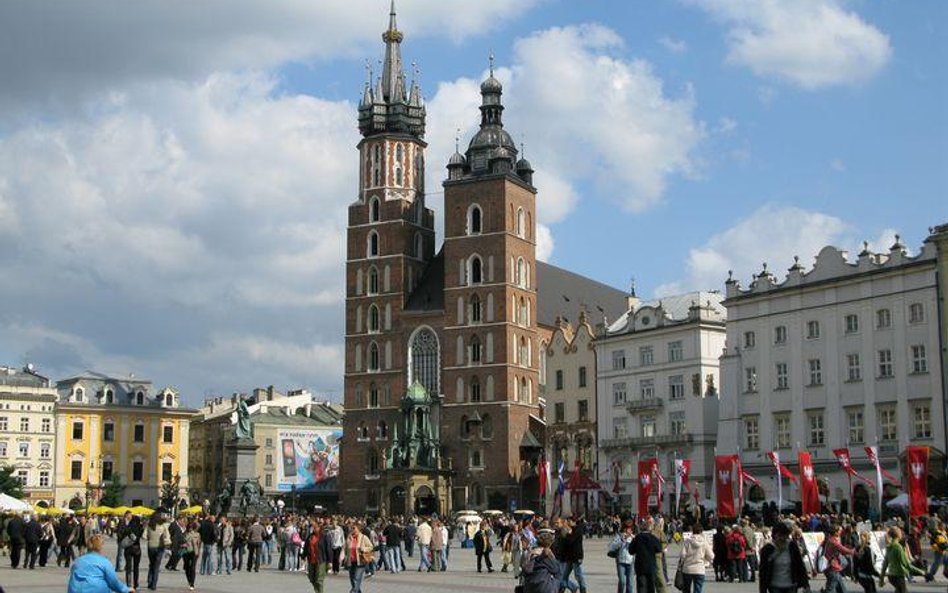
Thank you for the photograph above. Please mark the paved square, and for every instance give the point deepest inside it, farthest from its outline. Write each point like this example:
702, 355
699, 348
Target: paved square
461, 576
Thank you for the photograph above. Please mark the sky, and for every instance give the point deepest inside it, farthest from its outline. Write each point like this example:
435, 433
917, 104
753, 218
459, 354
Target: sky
174, 176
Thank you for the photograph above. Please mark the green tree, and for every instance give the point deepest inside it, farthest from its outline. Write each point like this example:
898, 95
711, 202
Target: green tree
113, 493
9, 483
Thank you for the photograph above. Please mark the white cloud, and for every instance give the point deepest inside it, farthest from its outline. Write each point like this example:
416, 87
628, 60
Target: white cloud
545, 242
726, 125
176, 220
810, 43
56, 55
838, 165
675, 46
771, 234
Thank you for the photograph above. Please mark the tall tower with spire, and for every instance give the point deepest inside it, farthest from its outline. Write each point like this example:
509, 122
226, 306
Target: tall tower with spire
390, 241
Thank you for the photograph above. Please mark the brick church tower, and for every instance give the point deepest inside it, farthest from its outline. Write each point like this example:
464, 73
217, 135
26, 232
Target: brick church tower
441, 384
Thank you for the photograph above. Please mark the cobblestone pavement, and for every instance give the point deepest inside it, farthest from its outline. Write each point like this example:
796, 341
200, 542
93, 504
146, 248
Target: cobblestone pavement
461, 577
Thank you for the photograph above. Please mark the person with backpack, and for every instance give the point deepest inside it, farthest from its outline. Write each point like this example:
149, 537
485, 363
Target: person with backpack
129, 535
736, 555
647, 549
540, 572
938, 540
835, 552
619, 549
781, 563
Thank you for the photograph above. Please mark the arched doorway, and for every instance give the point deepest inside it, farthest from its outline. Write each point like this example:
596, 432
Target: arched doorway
396, 500
860, 501
426, 503
756, 494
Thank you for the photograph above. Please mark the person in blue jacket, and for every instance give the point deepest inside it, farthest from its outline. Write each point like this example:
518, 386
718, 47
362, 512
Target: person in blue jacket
93, 573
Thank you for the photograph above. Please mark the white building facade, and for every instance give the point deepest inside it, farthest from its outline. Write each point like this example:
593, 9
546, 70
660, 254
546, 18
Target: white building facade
27, 431
844, 355
657, 384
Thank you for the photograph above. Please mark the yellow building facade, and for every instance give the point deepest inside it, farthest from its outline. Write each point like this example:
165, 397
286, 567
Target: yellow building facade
112, 428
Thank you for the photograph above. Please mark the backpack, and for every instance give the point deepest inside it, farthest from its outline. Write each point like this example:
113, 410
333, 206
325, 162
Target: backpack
736, 546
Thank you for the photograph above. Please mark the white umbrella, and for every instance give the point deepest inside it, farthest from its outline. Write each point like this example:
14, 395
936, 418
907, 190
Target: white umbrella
12, 505
901, 501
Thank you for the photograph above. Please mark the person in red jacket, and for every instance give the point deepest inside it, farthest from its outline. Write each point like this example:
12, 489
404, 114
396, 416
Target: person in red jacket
736, 554
319, 554
834, 551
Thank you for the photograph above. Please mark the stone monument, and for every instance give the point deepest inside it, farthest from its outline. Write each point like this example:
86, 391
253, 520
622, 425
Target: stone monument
242, 450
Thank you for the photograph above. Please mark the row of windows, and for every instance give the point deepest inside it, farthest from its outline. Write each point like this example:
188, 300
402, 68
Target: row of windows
375, 163
582, 411
648, 426
675, 389
107, 471
108, 432
580, 378
23, 449
814, 369
886, 429
675, 353
851, 325
46, 424
23, 476
27, 408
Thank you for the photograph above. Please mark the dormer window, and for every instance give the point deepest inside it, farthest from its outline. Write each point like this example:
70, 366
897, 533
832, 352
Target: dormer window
140, 398
109, 396
169, 400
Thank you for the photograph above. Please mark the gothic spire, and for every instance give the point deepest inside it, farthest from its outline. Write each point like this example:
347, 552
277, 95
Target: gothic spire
393, 75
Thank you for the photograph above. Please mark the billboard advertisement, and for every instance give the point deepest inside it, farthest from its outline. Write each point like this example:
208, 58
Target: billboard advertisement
306, 457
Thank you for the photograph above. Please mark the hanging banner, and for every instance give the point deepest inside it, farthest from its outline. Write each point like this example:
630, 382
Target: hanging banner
544, 472
724, 488
310, 458
917, 457
809, 491
645, 485
873, 454
845, 462
682, 469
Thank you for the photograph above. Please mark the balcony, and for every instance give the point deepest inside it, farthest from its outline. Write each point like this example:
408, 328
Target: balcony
644, 405
648, 442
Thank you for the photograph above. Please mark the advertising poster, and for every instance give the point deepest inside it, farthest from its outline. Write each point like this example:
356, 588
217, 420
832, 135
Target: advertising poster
306, 457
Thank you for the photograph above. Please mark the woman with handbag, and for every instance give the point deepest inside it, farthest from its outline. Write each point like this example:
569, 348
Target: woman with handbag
157, 537
129, 533
696, 554
190, 552
359, 553
541, 570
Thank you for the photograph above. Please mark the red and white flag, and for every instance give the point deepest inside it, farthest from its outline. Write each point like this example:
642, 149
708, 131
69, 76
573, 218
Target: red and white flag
749, 478
873, 454
544, 470
917, 457
645, 485
724, 488
845, 462
809, 491
782, 470
682, 469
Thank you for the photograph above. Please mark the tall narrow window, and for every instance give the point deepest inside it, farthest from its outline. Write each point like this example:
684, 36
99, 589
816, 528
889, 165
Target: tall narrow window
377, 165
475, 390
373, 280
373, 318
521, 223
476, 277
372, 245
399, 154
475, 309
474, 220
475, 350
373, 356
375, 210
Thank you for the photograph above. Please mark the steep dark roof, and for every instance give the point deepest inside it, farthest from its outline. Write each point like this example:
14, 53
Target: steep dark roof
563, 293
429, 294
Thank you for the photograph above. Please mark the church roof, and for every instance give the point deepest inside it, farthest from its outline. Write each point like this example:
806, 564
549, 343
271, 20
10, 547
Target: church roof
562, 293
429, 294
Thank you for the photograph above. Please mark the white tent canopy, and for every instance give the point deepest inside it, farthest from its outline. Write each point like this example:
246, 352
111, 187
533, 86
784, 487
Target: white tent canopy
902, 501
8, 504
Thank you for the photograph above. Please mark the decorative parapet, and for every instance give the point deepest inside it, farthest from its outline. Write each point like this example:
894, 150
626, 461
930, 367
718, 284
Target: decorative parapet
831, 264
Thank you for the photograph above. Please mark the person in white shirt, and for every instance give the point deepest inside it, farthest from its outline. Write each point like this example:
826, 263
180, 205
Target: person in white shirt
423, 537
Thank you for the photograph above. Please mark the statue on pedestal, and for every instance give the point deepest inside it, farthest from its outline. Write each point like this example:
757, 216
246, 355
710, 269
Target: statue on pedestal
243, 421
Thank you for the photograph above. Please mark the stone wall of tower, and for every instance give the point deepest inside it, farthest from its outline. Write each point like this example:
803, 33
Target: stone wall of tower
500, 371
391, 207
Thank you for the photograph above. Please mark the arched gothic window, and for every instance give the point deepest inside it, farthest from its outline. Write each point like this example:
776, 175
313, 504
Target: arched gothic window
372, 245
475, 350
521, 223
381, 430
377, 166
521, 273
475, 390
399, 154
373, 356
375, 207
363, 431
423, 360
373, 396
373, 318
373, 283
475, 309
487, 427
476, 275
474, 220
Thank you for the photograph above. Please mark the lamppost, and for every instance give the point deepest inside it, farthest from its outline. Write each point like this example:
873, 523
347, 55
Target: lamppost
293, 496
90, 485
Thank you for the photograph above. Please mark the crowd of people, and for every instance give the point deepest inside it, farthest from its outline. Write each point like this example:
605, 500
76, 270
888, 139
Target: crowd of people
542, 555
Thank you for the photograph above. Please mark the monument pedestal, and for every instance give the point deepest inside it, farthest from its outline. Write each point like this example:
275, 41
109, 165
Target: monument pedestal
242, 460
